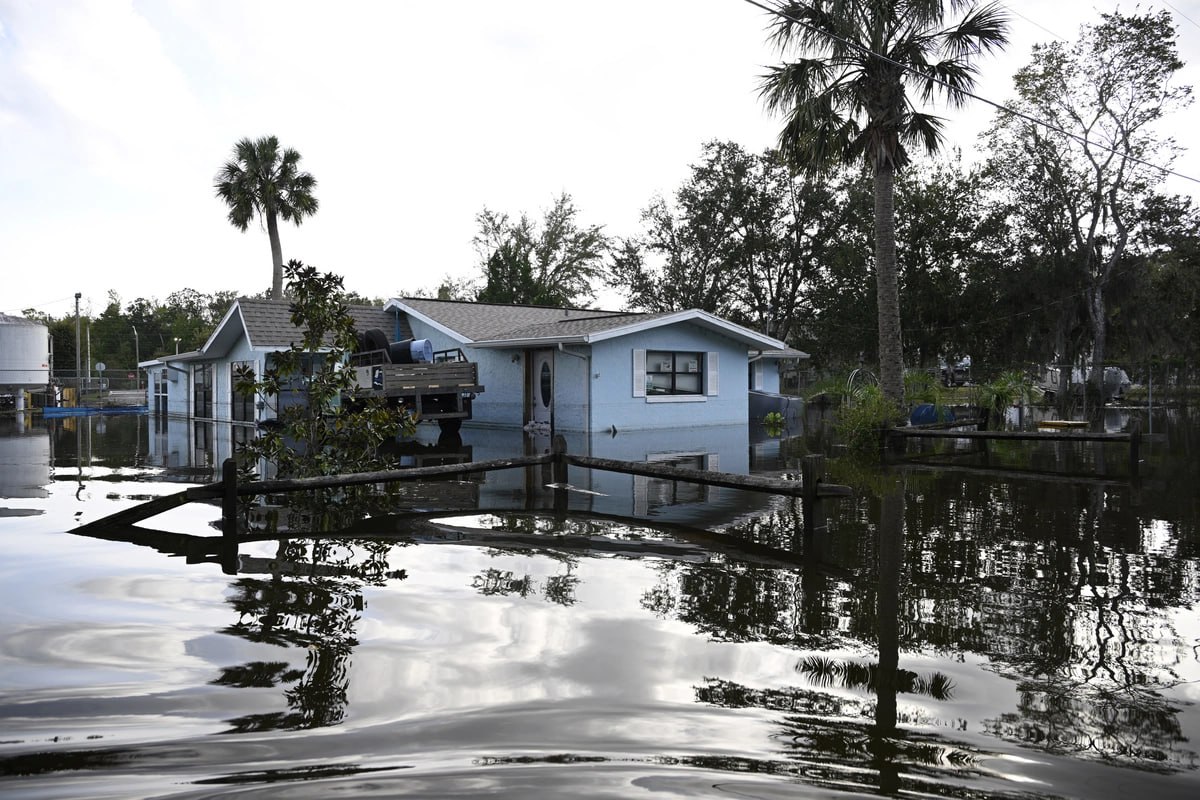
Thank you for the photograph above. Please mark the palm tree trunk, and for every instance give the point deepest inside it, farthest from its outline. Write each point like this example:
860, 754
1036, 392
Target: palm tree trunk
887, 287
887, 615
276, 257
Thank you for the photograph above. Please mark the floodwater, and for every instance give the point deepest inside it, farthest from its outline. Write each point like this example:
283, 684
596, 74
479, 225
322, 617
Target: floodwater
1015, 622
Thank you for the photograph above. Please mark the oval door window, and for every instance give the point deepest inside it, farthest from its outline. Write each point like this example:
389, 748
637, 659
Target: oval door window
545, 384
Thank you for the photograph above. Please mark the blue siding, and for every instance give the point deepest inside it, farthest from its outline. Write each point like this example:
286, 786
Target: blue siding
595, 392
613, 401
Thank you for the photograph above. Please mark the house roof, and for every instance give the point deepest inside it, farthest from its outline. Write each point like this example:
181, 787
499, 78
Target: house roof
782, 355
267, 325
501, 325
474, 322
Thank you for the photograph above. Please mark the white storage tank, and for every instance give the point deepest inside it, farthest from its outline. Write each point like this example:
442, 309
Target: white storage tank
24, 354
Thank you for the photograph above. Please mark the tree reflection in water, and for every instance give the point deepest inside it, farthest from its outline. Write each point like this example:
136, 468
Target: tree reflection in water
312, 601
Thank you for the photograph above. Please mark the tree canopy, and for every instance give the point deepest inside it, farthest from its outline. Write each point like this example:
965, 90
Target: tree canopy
551, 264
849, 94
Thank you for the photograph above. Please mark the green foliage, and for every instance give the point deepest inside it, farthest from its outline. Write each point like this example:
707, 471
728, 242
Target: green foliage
264, 181
1080, 184
773, 422
553, 265
319, 436
997, 395
740, 238
863, 417
921, 386
844, 104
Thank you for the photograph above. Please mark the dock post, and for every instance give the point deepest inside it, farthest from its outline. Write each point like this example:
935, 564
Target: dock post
229, 498
1135, 446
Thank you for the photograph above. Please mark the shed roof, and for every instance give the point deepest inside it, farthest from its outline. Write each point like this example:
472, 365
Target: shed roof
267, 325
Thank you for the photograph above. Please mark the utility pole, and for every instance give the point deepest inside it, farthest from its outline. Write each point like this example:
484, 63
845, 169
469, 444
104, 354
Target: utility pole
78, 369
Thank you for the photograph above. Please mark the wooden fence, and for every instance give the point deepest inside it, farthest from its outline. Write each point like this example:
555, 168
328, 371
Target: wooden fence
810, 488
945, 431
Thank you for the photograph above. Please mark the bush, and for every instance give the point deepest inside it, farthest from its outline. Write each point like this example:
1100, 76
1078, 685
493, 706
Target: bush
861, 419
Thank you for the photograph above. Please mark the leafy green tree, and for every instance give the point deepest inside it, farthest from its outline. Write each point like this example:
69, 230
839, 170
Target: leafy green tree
1156, 314
263, 181
846, 98
742, 239
1088, 171
949, 232
553, 264
319, 436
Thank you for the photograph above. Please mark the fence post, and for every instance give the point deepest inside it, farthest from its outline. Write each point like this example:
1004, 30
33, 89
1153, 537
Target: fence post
229, 498
558, 448
1135, 446
812, 471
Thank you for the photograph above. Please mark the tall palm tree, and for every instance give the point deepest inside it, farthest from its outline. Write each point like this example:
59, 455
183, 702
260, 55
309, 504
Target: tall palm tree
850, 96
265, 181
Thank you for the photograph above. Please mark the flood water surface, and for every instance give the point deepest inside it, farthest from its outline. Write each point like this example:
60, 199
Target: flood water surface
1016, 623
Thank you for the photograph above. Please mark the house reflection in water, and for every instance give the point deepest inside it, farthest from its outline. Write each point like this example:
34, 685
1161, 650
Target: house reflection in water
179, 443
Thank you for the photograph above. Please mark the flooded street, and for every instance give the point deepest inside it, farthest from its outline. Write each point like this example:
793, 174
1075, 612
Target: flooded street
1015, 621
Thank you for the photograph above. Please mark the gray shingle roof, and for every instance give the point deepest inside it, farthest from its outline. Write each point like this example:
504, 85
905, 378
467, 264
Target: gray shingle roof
269, 322
577, 326
487, 321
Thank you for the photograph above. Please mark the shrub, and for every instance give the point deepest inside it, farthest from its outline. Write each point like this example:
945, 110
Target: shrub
863, 417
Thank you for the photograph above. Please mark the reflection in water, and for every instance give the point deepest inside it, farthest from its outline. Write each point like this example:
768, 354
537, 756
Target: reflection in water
930, 632
313, 601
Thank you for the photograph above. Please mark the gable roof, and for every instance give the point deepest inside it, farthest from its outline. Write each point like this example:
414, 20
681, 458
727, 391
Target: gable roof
503, 325
473, 322
267, 325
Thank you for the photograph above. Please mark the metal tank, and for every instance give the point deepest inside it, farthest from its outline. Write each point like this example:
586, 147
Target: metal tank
24, 356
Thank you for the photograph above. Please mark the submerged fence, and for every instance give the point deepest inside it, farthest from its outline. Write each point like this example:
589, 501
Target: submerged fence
810, 488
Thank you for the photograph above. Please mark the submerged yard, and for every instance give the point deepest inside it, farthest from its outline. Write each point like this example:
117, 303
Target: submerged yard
951, 633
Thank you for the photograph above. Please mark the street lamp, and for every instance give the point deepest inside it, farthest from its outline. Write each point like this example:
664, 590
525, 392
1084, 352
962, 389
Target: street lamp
177, 345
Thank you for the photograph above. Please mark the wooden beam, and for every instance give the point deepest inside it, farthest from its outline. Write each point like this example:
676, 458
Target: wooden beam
1048, 436
388, 476
752, 483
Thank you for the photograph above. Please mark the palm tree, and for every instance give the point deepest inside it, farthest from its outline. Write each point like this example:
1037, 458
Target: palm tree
849, 96
263, 180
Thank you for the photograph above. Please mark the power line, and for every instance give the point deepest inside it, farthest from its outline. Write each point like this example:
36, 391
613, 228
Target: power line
1180, 13
1016, 13
998, 106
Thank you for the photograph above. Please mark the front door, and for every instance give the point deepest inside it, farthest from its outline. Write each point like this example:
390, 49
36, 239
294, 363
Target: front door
540, 389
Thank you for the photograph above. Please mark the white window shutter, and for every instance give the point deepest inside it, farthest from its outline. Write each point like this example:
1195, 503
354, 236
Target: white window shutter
639, 373
711, 385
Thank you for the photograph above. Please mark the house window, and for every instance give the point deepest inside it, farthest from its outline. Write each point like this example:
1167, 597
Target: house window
202, 396
674, 372
242, 405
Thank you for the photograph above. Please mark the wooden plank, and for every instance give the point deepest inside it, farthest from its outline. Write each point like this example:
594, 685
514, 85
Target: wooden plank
1041, 476
388, 476
139, 512
753, 483
1048, 436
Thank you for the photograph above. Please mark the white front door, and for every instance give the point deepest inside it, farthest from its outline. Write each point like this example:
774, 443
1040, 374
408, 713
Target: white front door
541, 387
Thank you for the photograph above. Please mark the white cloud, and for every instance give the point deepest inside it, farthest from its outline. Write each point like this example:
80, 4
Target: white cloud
116, 114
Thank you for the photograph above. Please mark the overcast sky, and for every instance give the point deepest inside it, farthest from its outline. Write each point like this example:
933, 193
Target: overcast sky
115, 116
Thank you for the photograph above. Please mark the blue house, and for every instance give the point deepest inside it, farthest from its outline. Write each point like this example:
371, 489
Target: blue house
570, 370
587, 371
